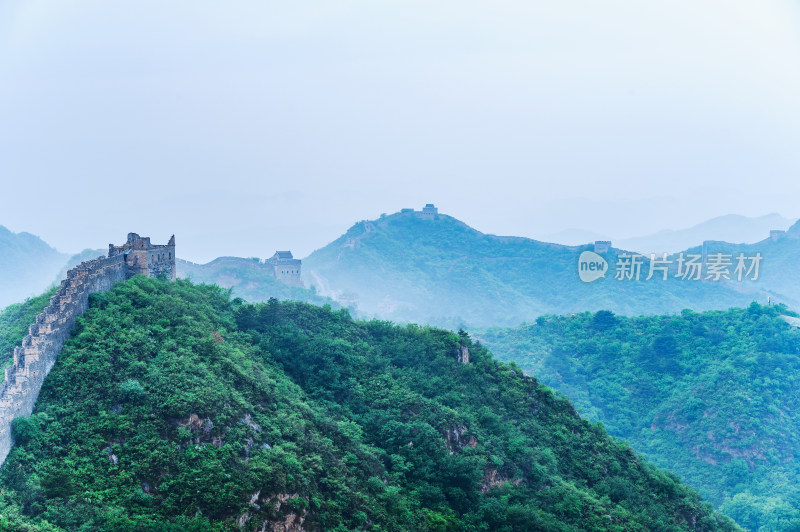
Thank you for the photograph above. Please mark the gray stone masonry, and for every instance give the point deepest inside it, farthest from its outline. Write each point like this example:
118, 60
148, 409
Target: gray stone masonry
34, 359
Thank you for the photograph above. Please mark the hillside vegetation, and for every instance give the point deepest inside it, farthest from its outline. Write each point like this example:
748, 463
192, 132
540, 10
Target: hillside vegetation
444, 272
174, 408
714, 396
248, 279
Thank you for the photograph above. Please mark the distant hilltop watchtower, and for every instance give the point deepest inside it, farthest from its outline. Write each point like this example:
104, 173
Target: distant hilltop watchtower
286, 268
429, 212
142, 257
601, 246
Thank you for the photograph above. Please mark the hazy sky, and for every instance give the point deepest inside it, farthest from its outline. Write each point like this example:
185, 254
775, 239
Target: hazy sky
249, 126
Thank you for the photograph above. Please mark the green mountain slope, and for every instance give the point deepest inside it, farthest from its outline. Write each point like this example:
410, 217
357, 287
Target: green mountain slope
27, 266
248, 280
779, 272
713, 396
442, 271
173, 408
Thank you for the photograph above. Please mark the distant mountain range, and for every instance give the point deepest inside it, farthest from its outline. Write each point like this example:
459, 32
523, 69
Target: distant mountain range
28, 265
247, 279
779, 273
406, 268
441, 271
729, 228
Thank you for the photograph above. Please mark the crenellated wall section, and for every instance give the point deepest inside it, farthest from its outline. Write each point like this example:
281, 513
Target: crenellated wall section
34, 359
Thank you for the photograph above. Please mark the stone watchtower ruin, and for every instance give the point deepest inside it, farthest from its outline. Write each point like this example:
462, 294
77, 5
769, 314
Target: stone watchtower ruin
143, 258
37, 354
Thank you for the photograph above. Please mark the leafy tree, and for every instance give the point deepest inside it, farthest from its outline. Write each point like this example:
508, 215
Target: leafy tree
603, 320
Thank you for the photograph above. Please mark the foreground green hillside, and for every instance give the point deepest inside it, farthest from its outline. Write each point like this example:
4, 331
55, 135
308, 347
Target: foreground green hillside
714, 396
173, 408
442, 271
28, 265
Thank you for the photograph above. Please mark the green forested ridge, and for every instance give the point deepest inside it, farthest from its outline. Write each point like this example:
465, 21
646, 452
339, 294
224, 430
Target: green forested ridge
442, 271
779, 274
713, 396
173, 408
247, 279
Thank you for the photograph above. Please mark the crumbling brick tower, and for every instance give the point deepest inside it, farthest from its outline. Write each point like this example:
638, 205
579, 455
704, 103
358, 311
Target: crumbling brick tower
142, 257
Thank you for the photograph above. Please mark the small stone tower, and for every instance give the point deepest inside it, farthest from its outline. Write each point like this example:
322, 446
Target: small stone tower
602, 246
286, 268
429, 212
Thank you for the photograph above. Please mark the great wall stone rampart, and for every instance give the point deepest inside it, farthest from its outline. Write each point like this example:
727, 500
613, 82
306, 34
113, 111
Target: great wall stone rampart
37, 354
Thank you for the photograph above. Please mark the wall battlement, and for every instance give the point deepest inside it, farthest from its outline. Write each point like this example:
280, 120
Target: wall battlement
37, 354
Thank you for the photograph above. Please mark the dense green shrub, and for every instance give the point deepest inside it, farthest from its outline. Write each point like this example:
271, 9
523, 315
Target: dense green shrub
713, 396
